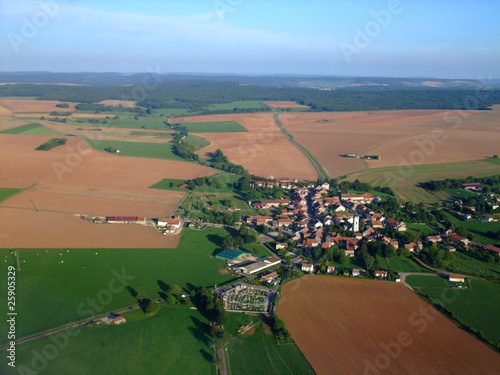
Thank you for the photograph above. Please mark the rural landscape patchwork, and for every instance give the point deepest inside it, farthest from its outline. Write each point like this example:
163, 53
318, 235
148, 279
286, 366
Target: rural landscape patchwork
287, 217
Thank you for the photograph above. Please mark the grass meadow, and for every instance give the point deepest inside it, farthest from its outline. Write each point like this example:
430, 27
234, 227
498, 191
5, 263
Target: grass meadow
174, 341
258, 354
30, 129
406, 185
214, 127
54, 285
477, 307
138, 149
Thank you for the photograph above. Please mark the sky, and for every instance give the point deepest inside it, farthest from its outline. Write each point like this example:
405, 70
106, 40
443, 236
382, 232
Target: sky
405, 38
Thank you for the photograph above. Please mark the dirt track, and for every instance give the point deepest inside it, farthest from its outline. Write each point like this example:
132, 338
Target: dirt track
342, 326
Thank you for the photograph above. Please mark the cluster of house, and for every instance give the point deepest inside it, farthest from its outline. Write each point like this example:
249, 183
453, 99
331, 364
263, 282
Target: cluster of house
308, 267
126, 220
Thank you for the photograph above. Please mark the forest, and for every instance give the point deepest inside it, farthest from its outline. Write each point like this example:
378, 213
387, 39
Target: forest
197, 95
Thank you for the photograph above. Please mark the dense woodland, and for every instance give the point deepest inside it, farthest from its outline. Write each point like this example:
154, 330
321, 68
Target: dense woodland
197, 95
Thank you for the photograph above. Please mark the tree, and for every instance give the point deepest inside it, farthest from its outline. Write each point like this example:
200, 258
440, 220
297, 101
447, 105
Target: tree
175, 290
228, 242
171, 299
141, 296
152, 308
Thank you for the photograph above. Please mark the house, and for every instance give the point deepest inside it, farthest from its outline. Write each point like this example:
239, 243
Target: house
450, 248
269, 277
183, 186
281, 246
358, 272
330, 269
456, 278
307, 267
381, 274
494, 249
459, 239
118, 319
472, 186
174, 222
232, 255
398, 225
433, 239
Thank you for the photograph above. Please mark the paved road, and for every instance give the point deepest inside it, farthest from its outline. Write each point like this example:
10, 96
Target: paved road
319, 169
223, 367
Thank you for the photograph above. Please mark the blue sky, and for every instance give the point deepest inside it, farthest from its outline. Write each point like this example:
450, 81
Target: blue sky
439, 38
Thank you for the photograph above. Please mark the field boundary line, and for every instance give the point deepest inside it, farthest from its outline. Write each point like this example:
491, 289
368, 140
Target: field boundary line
317, 166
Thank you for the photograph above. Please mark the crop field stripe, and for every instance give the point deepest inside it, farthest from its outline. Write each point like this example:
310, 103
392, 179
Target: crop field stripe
317, 166
214, 127
6, 193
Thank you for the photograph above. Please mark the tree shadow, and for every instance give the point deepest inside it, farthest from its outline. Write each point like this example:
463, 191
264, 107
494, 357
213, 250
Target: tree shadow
215, 239
132, 291
200, 330
163, 289
207, 356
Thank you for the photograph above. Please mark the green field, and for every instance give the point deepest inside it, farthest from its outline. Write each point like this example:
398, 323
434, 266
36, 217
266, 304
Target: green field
138, 149
174, 341
243, 104
466, 263
431, 281
31, 129
400, 264
49, 145
476, 227
214, 127
63, 288
169, 184
7, 193
258, 354
382, 262
197, 142
421, 229
460, 193
478, 307
125, 120
144, 133
405, 181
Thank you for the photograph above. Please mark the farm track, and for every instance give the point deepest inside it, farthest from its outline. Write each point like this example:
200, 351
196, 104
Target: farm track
319, 170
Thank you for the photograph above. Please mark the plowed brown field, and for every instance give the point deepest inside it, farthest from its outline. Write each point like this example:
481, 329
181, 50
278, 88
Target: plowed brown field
22, 105
263, 151
398, 137
74, 179
350, 326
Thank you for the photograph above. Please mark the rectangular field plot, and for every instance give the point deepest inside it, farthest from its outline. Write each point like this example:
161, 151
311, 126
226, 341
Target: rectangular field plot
214, 127
139, 149
31, 129
324, 317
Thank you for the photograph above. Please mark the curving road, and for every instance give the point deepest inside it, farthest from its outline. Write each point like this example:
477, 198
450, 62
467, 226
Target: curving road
319, 170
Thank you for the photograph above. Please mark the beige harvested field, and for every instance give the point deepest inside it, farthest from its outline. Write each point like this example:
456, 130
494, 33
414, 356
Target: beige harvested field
352, 326
74, 179
36, 115
116, 103
97, 202
28, 229
4, 111
91, 115
263, 150
16, 105
284, 104
398, 137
